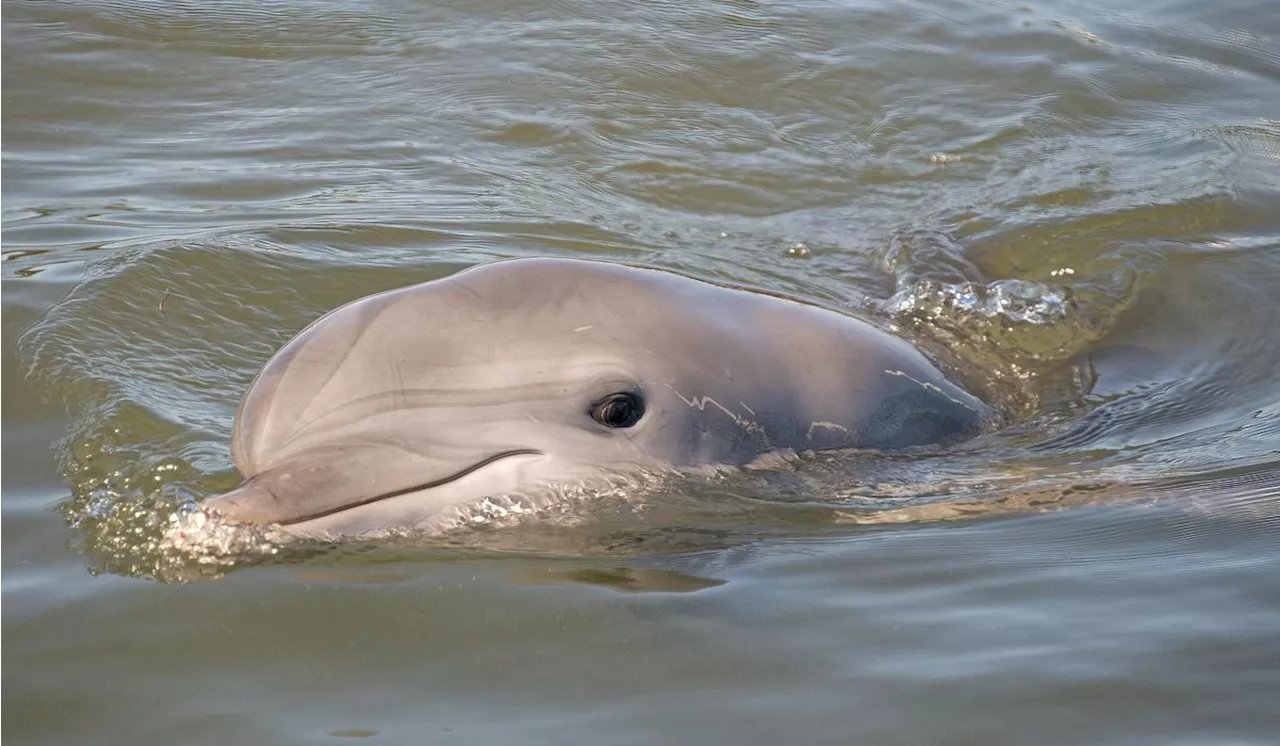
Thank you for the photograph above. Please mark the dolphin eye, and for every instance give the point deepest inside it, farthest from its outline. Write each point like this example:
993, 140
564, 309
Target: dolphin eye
618, 410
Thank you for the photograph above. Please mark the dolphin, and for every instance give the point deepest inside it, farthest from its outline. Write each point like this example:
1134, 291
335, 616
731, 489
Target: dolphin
523, 374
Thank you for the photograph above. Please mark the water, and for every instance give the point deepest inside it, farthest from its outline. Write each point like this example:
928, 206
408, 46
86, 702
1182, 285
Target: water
1076, 208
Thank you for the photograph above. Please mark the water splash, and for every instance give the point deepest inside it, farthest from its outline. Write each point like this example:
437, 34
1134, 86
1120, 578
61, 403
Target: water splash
1017, 301
1009, 335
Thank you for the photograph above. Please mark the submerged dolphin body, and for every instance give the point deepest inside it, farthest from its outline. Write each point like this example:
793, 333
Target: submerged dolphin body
523, 374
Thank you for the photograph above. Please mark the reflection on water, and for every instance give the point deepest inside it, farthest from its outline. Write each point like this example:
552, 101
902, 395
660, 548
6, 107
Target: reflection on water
1072, 206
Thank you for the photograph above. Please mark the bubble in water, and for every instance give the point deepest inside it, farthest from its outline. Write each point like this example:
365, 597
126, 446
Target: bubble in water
1011, 329
1019, 301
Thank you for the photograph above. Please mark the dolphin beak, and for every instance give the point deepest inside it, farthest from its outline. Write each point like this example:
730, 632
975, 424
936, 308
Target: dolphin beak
337, 480
250, 503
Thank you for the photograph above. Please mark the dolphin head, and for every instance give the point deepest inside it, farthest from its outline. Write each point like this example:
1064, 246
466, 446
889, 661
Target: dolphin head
525, 374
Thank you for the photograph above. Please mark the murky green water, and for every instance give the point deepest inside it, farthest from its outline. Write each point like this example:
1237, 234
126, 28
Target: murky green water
1077, 208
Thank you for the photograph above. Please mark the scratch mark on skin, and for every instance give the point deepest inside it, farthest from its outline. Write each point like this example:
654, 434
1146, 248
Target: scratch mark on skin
397, 369
931, 386
588, 327
826, 426
700, 403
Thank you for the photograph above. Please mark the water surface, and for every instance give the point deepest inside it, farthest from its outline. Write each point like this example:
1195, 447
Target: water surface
1075, 208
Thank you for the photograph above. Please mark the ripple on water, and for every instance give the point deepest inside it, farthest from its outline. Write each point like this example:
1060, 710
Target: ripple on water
149, 441
277, 160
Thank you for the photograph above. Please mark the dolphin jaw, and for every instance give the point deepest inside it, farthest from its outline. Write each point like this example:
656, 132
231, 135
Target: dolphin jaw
284, 497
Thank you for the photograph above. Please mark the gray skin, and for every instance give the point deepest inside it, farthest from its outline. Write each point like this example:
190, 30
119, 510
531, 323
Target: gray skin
394, 409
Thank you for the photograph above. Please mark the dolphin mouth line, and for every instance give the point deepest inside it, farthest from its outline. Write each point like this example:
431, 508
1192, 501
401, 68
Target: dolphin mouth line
424, 486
